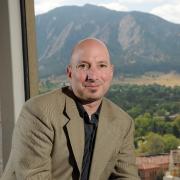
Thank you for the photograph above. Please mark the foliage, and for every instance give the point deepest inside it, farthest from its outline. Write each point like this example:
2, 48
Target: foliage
170, 142
156, 112
176, 126
154, 143
154, 99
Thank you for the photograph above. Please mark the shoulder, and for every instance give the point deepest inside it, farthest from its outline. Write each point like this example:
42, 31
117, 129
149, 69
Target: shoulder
117, 113
46, 108
46, 97
115, 109
45, 103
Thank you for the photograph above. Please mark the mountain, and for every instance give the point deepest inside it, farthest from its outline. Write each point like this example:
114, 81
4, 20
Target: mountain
138, 42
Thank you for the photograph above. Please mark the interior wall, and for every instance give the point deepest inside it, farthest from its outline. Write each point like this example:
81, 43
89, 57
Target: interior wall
11, 71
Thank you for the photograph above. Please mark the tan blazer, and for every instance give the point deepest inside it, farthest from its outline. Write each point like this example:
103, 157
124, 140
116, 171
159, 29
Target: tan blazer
48, 142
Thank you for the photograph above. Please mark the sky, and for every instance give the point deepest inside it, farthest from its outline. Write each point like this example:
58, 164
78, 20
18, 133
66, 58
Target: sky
167, 9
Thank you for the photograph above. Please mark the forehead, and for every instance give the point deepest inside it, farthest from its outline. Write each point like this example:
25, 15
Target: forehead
90, 51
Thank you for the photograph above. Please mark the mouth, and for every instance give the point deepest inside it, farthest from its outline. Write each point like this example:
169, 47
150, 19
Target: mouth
90, 85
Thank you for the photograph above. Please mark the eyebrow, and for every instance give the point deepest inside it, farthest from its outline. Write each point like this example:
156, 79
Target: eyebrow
101, 61
106, 62
82, 61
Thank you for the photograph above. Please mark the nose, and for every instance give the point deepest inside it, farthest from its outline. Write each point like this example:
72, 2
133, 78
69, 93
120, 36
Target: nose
92, 73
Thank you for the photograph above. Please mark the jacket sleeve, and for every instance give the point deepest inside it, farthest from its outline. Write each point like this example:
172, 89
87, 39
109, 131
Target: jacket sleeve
32, 145
125, 167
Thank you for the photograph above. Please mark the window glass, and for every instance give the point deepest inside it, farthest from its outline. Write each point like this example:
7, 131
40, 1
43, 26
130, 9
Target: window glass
144, 46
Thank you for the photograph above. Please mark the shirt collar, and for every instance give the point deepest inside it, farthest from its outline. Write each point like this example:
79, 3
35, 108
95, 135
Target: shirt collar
83, 113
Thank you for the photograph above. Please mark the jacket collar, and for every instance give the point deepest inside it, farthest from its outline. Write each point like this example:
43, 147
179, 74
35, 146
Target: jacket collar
75, 128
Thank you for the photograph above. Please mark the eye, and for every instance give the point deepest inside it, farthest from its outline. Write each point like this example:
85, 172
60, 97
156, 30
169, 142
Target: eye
83, 66
102, 65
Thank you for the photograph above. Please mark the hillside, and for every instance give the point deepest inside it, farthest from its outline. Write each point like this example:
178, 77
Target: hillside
164, 79
138, 42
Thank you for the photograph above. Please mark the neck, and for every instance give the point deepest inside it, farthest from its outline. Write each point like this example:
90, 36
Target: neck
92, 106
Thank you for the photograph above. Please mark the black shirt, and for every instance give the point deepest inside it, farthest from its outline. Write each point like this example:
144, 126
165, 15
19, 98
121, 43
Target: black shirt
90, 127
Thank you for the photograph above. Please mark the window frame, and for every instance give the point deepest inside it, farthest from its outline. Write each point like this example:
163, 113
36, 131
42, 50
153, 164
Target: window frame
30, 61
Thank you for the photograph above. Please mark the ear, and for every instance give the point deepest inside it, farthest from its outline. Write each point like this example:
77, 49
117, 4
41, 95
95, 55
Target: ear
112, 69
69, 71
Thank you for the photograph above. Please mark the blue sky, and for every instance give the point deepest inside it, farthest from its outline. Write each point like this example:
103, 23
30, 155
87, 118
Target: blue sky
167, 9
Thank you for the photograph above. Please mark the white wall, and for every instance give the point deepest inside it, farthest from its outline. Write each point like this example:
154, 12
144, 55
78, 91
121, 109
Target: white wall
11, 70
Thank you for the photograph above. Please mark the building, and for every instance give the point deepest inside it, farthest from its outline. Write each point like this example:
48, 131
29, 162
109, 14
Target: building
174, 166
150, 167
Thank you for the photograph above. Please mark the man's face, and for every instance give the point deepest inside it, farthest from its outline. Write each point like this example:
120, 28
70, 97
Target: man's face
90, 72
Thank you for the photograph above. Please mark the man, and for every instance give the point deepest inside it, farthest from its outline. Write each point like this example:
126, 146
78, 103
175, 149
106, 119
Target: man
75, 133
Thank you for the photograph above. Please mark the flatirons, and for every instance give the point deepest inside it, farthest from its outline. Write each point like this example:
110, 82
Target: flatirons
138, 42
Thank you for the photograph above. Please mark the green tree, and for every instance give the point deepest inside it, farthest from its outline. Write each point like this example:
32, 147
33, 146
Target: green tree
152, 145
168, 128
135, 111
170, 142
160, 126
176, 126
143, 124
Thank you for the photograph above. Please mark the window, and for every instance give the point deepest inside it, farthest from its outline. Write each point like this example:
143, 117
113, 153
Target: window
146, 83
11, 67
29, 48
149, 92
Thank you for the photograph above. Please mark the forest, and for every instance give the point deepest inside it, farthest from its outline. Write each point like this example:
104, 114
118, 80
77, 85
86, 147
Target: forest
156, 112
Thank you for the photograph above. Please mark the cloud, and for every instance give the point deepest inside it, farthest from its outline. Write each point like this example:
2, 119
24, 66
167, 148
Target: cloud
115, 6
140, 1
170, 12
167, 9
44, 6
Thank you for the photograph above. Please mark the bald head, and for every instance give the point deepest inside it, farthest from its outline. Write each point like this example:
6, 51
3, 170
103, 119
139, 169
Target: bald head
87, 45
90, 71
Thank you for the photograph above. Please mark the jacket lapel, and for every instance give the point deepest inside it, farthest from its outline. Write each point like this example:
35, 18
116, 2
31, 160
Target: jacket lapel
106, 136
106, 139
75, 128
